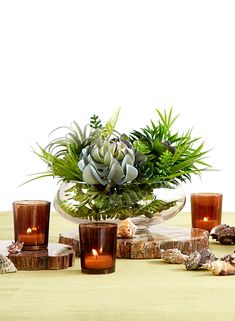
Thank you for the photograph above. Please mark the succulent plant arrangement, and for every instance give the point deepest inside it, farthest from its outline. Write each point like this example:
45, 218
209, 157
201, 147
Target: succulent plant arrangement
114, 175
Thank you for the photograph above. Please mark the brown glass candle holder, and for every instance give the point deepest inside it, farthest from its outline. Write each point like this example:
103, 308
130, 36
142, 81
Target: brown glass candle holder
206, 209
98, 243
31, 223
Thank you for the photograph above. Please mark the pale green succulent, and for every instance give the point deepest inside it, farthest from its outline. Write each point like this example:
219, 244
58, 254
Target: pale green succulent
108, 162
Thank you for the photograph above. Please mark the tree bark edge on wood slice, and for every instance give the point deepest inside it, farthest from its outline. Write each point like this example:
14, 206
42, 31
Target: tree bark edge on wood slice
149, 245
56, 257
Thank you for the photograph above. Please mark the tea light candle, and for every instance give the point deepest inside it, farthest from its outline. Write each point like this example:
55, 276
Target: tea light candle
94, 236
32, 237
206, 210
205, 223
31, 223
101, 261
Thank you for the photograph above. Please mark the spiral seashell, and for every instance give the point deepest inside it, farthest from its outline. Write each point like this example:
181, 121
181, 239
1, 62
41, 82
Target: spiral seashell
173, 256
6, 266
15, 247
193, 261
221, 268
230, 258
223, 233
206, 256
216, 230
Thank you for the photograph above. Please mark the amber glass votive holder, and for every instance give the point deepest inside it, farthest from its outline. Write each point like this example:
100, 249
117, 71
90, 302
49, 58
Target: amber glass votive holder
98, 244
206, 210
31, 223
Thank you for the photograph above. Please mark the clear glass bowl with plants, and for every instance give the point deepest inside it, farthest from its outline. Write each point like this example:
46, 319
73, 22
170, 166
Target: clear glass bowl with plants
106, 175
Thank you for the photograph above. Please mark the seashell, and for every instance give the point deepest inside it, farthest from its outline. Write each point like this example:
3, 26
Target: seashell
126, 229
223, 233
206, 257
15, 247
214, 232
221, 268
230, 258
227, 235
173, 256
193, 261
6, 266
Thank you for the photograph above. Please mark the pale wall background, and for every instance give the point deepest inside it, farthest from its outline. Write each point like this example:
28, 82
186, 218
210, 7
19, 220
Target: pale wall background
66, 60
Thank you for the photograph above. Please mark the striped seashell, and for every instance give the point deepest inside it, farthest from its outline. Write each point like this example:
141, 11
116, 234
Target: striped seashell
6, 266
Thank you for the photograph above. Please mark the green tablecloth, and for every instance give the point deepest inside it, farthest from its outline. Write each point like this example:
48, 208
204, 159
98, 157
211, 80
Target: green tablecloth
138, 290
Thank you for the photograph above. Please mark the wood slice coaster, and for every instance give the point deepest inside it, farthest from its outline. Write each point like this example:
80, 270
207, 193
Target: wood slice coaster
56, 257
148, 245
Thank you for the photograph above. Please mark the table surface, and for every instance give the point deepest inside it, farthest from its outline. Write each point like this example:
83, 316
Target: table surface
138, 290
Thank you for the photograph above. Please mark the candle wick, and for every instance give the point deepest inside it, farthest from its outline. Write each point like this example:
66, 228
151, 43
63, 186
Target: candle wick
94, 252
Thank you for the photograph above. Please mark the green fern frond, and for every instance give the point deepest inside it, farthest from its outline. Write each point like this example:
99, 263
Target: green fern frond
111, 123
